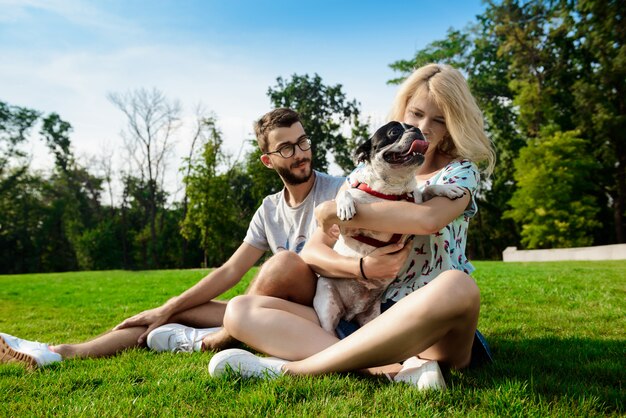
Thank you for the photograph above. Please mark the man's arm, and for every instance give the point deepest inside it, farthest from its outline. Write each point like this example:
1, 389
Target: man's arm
214, 284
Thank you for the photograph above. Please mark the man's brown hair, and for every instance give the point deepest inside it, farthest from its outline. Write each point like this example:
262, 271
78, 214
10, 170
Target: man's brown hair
278, 118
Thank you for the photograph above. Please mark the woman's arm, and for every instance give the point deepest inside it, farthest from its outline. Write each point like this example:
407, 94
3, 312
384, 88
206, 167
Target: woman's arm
381, 263
397, 217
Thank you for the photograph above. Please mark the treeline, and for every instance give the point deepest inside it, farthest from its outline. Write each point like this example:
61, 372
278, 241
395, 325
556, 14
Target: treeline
549, 75
68, 218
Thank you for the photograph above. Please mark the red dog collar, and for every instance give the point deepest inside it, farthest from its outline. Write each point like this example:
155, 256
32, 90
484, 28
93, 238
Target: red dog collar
367, 189
396, 197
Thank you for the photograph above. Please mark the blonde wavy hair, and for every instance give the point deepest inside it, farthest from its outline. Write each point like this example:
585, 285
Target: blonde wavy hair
464, 120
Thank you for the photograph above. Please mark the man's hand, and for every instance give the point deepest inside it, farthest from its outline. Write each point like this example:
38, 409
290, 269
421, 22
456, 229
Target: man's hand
386, 262
152, 318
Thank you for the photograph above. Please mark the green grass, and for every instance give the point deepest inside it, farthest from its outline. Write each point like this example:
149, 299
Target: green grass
558, 332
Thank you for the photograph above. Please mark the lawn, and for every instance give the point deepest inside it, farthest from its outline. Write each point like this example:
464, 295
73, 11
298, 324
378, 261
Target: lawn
557, 330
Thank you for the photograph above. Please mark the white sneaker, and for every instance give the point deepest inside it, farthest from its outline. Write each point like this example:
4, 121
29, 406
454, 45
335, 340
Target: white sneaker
246, 364
425, 374
30, 353
178, 338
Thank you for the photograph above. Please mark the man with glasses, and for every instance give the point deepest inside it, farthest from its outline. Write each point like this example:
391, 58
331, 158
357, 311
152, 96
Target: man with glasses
282, 224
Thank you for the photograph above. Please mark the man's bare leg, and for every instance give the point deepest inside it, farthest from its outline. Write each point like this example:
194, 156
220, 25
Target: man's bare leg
285, 276
112, 342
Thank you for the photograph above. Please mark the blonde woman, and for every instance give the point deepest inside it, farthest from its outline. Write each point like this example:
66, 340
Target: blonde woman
431, 310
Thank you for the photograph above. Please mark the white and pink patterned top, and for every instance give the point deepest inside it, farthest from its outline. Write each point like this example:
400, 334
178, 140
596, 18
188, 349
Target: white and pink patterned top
445, 249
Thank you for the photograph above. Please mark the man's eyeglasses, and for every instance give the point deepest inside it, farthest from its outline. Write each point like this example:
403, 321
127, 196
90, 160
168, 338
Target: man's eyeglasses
288, 150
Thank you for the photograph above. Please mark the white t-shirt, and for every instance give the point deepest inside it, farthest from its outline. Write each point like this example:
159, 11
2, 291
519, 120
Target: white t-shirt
276, 226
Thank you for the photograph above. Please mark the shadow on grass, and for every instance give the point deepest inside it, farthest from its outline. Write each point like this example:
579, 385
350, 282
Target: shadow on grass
553, 368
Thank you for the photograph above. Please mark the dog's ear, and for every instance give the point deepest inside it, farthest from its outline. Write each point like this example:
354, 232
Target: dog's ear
362, 153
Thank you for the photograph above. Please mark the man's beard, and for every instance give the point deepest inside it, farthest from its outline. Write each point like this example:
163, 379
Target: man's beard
294, 179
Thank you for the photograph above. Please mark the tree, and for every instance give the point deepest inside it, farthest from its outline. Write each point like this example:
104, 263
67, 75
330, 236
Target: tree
55, 132
600, 97
474, 51
213, 213
23, 231
151, 120
538, 64
15, 125
554, 202
325, 114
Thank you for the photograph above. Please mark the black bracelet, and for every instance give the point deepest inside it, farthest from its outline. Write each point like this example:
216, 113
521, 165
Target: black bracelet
361, 267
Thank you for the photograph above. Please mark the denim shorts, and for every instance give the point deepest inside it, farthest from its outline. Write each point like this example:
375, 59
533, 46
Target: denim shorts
481, 353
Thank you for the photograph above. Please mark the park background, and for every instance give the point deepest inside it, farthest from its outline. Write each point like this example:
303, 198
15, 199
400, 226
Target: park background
76, 194
125, 127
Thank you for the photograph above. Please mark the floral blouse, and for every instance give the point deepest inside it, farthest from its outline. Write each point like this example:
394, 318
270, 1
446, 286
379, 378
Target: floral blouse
445, 249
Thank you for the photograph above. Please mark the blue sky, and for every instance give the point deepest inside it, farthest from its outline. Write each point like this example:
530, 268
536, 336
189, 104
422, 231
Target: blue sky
66, 55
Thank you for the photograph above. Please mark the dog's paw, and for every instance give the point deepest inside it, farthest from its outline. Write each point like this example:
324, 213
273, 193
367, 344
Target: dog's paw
346, 209
346, 213
451, 191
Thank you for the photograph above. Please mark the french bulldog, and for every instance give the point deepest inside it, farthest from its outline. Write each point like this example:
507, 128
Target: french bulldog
390, 160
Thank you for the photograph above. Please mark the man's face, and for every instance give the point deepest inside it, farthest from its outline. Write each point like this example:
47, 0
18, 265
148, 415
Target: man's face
296, 169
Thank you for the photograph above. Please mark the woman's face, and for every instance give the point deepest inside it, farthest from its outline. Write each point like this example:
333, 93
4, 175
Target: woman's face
423, 113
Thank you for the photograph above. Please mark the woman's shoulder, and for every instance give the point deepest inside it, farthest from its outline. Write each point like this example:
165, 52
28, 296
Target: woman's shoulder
460, 164
456, 170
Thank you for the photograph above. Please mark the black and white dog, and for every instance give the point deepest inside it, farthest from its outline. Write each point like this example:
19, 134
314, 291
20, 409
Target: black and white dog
391, 158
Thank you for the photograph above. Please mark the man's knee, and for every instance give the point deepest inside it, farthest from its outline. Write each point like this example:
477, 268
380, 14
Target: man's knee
287, 276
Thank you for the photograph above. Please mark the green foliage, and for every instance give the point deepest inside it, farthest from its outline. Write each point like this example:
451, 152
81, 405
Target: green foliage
539, 64
532, 66
213, 213
56, 134
452, 50
325, 112
140, 198
98, 249
22, 225
556, 330
475, 52
15, 125
554, 201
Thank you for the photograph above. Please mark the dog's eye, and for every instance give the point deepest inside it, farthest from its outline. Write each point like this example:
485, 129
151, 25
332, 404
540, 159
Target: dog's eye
394, 132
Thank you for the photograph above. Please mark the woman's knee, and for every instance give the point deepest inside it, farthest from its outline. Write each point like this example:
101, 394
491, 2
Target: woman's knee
452, 294
463, 290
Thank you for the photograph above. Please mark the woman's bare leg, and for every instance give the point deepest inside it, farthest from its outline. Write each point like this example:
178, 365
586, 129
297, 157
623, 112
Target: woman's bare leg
276, 326
286, 276
437, 322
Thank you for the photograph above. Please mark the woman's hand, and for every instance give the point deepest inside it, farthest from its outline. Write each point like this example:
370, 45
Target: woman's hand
326, 215
385, 262
152, 318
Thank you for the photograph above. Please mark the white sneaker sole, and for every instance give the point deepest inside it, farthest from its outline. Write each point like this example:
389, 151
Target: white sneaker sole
428, 376
244, 363
9, 355
170, 330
